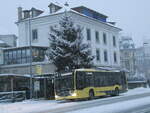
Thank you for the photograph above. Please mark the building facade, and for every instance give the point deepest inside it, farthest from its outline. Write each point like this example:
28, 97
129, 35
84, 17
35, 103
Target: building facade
34, 26
142, 56
127, 54
6, 41
102, 36
18, 60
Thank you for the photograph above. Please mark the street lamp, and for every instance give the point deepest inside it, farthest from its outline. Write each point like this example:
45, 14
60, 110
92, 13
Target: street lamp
30, 47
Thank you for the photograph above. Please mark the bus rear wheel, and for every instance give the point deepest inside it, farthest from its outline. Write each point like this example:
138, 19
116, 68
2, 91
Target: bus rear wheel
91, 94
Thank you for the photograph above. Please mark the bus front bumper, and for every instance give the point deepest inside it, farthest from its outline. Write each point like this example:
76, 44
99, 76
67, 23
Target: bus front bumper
72, 96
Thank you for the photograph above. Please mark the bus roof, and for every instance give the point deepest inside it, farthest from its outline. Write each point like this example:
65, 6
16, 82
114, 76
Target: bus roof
98, 69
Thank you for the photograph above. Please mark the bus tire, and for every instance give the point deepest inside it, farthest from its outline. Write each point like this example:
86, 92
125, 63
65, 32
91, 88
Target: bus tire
116, 91
91, 94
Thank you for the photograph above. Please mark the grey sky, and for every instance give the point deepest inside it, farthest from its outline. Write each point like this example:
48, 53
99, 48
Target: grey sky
131, 15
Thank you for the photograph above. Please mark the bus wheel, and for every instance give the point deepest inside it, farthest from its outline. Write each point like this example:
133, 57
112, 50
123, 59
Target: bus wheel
91, 94
116, 92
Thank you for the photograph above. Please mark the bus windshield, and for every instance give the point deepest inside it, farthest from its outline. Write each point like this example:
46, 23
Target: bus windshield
64, 82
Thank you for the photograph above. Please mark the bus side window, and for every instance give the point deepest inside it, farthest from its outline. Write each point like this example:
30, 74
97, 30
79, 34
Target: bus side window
117, 78
102, 79
97, 78
89, 78
110, 79
113, 78
106, 79
123, 78
80, 80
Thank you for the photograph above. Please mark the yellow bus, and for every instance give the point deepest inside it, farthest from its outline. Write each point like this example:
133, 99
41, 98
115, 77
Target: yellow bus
88, 83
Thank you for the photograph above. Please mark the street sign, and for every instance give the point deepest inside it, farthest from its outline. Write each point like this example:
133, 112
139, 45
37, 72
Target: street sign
38, 69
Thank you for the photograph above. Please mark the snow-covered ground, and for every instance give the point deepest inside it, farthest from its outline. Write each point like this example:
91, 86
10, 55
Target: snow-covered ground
136, 91
116, 107
29, 106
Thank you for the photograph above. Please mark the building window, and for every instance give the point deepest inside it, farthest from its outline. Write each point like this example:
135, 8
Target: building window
105, 56
34, 34
115, 57
97, 54
22, 55
97, 36
104, 38
88, 31
114, 41
52, 9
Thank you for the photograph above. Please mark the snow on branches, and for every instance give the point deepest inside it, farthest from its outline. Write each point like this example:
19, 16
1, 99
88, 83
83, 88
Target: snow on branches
67, 50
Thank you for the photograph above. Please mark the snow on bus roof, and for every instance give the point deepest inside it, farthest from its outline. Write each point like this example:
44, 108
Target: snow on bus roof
99, 69
65, 74
103, 69
84, 69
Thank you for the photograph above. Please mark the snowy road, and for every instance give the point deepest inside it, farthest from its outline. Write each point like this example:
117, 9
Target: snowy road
134, 101
103, 102
141, 105
139, 109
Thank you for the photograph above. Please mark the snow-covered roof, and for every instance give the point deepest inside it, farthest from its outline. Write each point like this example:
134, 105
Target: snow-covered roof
45, 74
14, 75
40, 77
64, 9
25, 47
140, 81
2, 42
73, 11
8, 36
55, 3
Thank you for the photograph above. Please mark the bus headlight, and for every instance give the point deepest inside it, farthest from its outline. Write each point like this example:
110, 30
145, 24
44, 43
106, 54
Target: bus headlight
74, 94
56, 96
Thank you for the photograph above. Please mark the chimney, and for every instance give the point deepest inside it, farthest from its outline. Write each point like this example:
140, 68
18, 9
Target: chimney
19, 13
26, 14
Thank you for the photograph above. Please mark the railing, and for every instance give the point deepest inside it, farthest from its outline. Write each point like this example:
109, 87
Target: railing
12, 96
135, 84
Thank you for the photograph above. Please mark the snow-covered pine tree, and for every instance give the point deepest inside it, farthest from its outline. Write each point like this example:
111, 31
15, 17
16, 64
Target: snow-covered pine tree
67, 50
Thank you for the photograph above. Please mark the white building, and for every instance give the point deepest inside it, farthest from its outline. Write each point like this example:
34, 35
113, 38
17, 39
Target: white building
100, 34
127, 54
8, 40
143, 59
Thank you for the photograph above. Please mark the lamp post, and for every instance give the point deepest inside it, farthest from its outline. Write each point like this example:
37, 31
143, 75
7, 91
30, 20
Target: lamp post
30, 47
